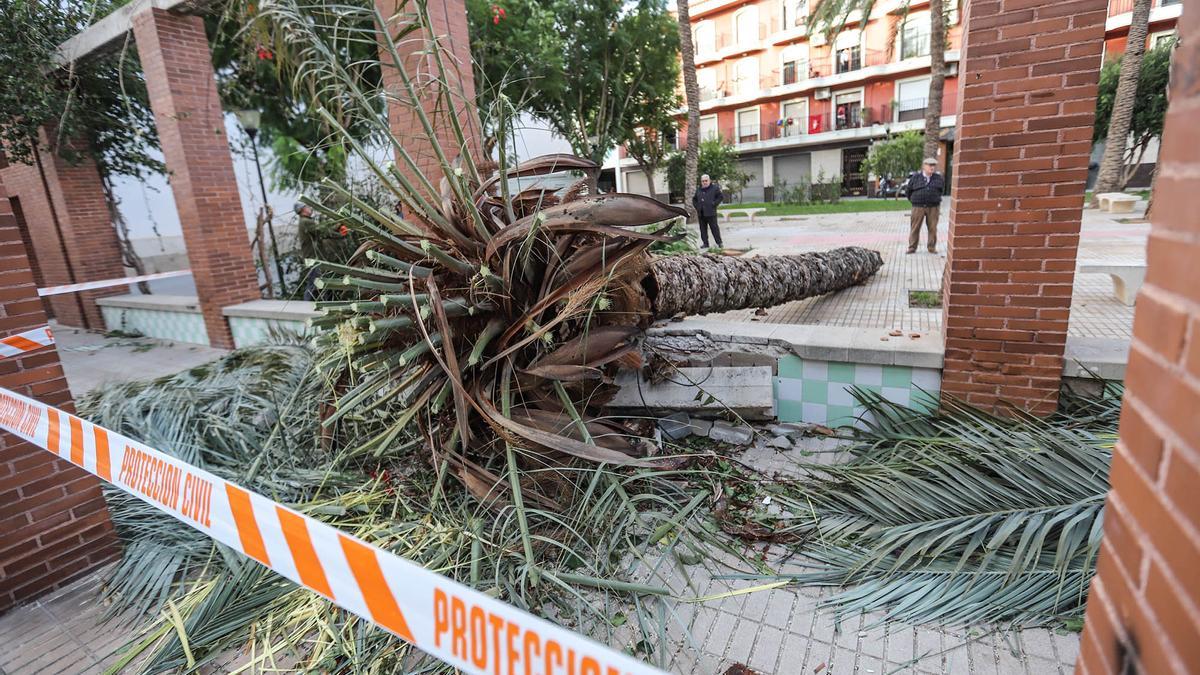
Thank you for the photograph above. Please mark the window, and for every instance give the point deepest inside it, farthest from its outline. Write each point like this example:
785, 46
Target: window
745, 75
910, 99
847, 50
705, 38
1165, 37
706, 78
745, 26
847, 107
792, 13
795, 118
747, 125
914, 36
795, 64
708, 127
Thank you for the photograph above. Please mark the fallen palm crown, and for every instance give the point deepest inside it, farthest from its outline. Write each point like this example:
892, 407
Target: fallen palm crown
451, 409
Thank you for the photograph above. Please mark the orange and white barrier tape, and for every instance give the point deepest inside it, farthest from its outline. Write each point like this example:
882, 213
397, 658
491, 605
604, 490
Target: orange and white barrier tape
30, 340
454, 623
108, 283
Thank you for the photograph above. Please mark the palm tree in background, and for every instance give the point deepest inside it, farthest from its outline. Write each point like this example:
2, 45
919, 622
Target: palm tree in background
691, 90
1112, 176
831, 16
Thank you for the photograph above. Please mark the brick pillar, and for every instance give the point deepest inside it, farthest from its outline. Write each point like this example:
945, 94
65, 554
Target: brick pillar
448, 21
1027, 96
66, 218
54, 524
1143, 611
187, 111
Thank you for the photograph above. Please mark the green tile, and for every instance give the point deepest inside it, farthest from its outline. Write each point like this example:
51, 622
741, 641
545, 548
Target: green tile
897, 376
878, 389
841, 372
815, 391
790, 366
839, 415
789, 411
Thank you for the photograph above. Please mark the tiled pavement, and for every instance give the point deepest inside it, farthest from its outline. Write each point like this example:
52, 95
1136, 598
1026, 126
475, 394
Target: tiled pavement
883, 301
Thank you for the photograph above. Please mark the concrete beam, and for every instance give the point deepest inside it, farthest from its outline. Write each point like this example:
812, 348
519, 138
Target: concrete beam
104, 35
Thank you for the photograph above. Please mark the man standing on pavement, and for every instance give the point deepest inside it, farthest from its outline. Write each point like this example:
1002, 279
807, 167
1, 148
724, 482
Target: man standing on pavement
706, 200
925, 194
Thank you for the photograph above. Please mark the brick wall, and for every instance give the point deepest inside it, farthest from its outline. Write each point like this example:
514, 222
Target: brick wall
87, 249
187, 111
54, 525
449, 22
1026, 103
1143, 612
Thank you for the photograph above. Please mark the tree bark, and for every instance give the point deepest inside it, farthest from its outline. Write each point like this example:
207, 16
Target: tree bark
691, 89
702, 284
937, 77
1111, 176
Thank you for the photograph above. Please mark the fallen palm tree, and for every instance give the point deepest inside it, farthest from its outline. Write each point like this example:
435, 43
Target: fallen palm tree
489, 316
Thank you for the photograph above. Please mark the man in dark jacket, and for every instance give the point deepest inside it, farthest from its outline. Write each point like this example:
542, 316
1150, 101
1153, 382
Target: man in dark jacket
925, 193
706, 200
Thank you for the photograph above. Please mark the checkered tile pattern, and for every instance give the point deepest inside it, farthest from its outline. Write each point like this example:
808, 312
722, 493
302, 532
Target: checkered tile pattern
178, 326
818, 392
252, 331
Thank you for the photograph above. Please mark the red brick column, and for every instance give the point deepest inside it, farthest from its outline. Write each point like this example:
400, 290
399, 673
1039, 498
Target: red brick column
54, 524
1143, 611
87, 249
448, 20
1026, 102
187, 110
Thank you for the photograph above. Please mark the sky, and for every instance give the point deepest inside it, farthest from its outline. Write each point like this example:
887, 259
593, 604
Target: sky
149, 206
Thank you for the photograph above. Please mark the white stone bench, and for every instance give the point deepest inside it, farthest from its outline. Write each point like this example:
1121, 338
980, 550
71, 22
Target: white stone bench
749, 212
1127, 278
1116, 202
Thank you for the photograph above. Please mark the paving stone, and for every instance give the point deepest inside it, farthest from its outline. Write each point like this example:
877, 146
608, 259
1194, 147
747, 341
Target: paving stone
779, 610
742, 641
766, 649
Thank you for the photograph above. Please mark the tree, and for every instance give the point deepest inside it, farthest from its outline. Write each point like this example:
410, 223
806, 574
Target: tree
691, 90
594, 70
1111, 176
649, 148
831, 16
895, 156
716, 158
937, 76
498, 320
1149, 109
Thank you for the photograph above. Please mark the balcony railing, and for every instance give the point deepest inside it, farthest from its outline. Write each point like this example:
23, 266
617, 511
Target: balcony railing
846, 61
798, 127
910, 109
1117, 7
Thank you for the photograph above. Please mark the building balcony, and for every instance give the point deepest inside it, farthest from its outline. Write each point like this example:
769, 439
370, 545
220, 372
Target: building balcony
822, 74
726, 45
1120, 13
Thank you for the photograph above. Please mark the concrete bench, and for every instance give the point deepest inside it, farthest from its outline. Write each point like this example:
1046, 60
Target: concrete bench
1116, 202
1127, 278
750, 212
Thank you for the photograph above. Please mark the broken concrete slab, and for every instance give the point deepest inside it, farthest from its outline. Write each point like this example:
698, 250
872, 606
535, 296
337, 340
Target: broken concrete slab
676, 426
728, 433
700, 427
780, 443
748, 391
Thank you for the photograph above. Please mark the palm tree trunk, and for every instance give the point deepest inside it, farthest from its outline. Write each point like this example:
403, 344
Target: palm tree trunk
691, 89
1111, 178
702, 284
937, 77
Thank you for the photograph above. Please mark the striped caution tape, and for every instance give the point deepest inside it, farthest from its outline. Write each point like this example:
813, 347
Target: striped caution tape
108, 283
28, 341
454, 623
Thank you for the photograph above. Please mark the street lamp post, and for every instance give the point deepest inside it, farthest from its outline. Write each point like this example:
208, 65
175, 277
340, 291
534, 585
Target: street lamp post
250, 119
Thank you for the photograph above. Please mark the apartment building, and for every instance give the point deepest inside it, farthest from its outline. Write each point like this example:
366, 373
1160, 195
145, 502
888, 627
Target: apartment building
799, 105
